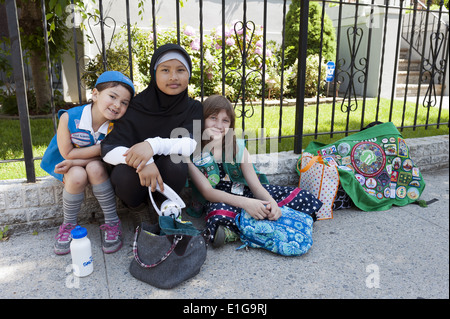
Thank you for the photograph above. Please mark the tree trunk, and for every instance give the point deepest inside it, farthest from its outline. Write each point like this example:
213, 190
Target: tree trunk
41, 82
30, 20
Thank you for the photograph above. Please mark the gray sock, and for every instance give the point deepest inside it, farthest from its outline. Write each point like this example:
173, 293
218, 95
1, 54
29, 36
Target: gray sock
71, 206
106, 197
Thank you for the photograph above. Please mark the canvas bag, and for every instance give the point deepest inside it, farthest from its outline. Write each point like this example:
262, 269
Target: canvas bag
289, 235
320, 179
375, 167
168, 253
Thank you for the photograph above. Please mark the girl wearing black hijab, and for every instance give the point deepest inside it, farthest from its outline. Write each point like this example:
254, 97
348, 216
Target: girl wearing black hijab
149, 132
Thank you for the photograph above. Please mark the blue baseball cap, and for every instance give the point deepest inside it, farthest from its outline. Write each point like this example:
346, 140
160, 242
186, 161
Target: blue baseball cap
114, 76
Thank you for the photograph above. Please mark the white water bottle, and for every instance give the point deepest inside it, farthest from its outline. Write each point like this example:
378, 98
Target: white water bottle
80, 249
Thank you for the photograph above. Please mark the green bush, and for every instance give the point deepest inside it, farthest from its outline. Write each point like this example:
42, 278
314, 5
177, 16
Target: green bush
8, 103
115, 60
143, 47
314, 30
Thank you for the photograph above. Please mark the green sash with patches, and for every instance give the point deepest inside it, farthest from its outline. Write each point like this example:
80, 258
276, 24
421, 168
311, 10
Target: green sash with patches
375, 167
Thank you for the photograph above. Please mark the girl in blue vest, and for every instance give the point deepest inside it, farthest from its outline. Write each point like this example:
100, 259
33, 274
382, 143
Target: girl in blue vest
73, 157
227, 180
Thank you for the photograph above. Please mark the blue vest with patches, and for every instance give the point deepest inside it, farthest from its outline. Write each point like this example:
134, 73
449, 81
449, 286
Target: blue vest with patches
79, 137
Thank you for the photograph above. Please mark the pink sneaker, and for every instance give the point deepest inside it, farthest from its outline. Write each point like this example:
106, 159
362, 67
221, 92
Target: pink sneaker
112, 237
63, 239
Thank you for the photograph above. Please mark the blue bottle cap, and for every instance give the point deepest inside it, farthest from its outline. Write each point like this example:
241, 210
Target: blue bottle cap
79, 232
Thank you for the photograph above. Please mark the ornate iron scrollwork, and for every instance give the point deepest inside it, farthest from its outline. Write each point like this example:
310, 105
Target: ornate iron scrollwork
244, 69
433, 70
355, 71
90, 69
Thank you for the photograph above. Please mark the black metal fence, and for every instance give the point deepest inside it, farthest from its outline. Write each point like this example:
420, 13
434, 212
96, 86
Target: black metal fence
373, 40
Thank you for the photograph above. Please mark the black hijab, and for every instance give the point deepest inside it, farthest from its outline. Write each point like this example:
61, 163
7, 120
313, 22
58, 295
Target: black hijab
153, 113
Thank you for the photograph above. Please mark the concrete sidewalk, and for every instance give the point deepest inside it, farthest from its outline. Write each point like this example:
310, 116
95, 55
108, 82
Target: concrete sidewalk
399, 253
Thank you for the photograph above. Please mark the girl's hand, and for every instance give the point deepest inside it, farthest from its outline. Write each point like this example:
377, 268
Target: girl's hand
257, 208
63, 167
138, 155
150, 176
275, 211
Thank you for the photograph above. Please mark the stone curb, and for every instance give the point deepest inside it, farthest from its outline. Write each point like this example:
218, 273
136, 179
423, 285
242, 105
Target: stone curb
27, 207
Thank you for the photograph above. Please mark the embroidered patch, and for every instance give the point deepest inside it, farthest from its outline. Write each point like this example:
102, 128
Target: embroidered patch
343, 149
413, 193
402, 148
80, 139
407, 165
401, 192
368, 158
390, 149
110, 127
